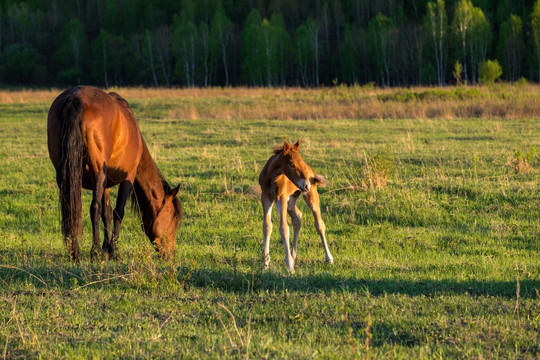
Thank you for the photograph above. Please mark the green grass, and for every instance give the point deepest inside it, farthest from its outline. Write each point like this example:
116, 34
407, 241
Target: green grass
444, 262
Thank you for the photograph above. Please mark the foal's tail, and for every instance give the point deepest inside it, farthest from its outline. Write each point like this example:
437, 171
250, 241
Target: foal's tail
70, 169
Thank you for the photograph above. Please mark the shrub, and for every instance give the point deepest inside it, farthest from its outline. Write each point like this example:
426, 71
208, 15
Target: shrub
523, 162
489, 71
376, 170
458, 70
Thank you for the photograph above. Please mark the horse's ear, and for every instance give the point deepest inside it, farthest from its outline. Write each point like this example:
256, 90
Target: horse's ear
296, 146
174, 191
319, 180
286, 148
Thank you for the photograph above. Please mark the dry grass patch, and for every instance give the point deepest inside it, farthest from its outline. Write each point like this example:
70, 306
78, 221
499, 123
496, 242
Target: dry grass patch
367, 102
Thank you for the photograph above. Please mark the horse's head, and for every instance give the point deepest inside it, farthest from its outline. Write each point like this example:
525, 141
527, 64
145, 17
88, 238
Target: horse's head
163, 230
297, 170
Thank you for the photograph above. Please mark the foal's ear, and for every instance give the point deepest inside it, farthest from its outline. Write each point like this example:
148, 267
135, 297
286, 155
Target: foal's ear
319, 180
296, 146
174, 191
286, 148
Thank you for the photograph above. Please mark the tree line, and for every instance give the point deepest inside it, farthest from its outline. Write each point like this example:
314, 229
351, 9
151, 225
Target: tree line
306, 43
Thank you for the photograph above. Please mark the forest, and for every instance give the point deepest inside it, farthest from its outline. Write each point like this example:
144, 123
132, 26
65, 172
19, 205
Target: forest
265, 43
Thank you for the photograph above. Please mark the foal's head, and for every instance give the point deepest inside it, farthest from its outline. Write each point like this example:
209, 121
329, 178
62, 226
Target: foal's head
163, 229
296, 169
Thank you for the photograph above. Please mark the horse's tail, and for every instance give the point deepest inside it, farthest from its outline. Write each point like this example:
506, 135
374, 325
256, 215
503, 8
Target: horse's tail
70, 170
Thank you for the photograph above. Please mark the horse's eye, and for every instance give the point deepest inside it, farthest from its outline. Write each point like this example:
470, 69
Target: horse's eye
292, 166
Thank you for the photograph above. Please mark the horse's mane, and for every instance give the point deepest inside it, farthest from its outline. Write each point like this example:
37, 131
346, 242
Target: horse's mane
124, 105
136, 196
278, 149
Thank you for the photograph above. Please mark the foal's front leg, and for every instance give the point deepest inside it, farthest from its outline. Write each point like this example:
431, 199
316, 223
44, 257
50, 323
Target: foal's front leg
296, 218
281, 205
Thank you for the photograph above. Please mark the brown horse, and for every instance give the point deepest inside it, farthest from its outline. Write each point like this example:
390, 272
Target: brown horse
94, 142
284, 177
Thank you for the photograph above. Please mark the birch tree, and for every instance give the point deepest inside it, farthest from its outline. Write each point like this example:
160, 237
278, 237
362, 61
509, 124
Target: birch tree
436, 25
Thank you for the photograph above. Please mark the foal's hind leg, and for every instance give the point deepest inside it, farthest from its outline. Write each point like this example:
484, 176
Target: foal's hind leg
296, 218
312, 200
267, 229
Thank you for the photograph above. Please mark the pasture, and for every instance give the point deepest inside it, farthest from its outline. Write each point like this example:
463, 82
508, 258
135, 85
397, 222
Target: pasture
432, 214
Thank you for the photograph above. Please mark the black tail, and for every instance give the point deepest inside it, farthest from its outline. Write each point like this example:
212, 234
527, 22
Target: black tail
69, 172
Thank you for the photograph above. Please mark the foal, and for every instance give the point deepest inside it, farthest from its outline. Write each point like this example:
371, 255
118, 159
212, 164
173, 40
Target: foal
284, 177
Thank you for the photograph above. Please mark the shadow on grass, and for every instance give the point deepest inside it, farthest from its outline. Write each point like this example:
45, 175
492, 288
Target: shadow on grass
326, 282
64, 276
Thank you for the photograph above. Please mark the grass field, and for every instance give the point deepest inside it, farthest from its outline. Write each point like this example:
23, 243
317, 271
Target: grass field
432, 216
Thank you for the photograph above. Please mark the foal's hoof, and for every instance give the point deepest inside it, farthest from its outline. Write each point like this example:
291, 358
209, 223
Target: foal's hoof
97, 255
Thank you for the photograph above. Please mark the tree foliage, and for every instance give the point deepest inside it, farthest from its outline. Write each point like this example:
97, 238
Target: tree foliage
265, 43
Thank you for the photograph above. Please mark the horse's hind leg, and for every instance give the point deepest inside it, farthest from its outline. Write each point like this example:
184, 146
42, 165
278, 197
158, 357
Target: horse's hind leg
312, 200
296, 218
96, 211
111, 246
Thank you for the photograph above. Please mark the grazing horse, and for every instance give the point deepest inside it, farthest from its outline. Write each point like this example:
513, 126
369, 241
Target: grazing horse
284, 177
94, 142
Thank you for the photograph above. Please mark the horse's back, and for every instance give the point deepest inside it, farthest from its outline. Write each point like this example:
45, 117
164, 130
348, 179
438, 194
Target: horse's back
109, 130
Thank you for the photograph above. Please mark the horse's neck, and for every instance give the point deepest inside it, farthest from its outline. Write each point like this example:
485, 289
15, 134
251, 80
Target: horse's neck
148, 186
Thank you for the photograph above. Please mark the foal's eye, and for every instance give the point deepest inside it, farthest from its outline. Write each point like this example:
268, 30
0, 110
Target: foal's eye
292, 166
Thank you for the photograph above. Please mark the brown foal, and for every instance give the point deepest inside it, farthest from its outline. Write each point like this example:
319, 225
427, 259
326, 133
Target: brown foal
284, 177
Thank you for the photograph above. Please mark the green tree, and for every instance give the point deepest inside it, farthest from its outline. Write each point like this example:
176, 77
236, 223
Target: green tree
220, 34
184, 48
101, 63
20, 64
252, 54
382, 35
535, 29
436, 25
461, 25
473, 34
72, 55
480, 37
307, 49
511, 47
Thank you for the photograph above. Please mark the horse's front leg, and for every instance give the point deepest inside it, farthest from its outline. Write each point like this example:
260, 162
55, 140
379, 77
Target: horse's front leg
106, 216
281, 205
111, 246
100, 179
312, 200
267, 229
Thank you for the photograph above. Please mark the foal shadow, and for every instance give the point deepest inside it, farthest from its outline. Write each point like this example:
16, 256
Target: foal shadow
230, 281
55, 272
